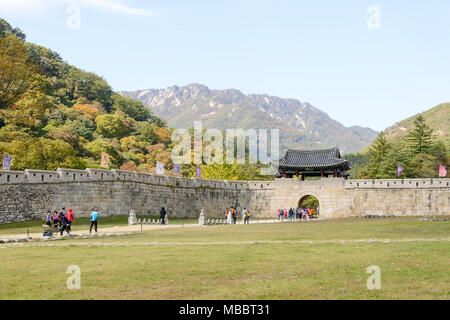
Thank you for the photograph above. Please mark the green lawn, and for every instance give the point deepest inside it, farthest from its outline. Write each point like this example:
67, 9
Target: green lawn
194, 263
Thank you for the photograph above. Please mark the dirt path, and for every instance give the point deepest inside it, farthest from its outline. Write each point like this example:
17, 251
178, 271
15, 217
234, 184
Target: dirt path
118, 229
134, 228
219, 243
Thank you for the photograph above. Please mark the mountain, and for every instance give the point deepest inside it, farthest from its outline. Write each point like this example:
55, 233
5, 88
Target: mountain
301, 125
438, 118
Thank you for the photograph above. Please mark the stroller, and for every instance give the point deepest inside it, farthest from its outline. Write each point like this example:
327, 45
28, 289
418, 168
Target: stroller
49, 230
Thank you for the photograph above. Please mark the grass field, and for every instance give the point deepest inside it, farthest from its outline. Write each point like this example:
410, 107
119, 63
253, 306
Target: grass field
312, 260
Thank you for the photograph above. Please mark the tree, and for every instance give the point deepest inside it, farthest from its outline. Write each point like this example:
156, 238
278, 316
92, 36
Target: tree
16, 70
98, 146
147, 132
377, 154
6, 29
422, 165
419, 139
310, 202
111, 126
89, 111
88, 85
41, 153
29, 112
134, 108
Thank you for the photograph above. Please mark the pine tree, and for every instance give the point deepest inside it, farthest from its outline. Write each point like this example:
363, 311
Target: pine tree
420, 139
377, 154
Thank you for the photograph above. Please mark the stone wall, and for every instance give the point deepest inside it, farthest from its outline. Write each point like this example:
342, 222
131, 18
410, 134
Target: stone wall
28, 195
398, 197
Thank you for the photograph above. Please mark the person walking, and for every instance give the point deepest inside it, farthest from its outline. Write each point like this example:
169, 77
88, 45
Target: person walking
162, 215
243, 213
279, 214
62, 223
63, 211
285, 214
304, 214
94, 220
70, 219
233, 213
246, 216
310, 213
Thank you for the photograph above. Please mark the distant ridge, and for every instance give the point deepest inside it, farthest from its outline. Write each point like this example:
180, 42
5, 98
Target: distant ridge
301, 125
438, 118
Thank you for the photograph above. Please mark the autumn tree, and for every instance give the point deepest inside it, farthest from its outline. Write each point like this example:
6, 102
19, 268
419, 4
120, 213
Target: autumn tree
110, 126
16, 70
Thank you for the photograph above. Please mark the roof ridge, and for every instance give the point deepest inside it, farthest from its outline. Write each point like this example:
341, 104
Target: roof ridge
311, 151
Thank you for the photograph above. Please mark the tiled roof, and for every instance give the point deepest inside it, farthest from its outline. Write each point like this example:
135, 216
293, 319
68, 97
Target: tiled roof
327, 158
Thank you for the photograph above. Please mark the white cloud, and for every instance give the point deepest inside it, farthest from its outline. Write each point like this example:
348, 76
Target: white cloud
113, 6
38, 7
35, 7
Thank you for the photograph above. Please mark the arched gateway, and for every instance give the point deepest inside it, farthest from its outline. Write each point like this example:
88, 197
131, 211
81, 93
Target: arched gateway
329, 195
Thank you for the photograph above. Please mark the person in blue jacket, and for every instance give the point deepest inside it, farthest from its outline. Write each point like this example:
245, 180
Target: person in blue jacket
94, 219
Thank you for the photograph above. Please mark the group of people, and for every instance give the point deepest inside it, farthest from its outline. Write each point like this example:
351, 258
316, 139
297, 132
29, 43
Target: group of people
62, 221
293, 214
245, 213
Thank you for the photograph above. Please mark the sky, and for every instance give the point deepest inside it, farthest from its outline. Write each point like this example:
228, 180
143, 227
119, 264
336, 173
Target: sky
368, 63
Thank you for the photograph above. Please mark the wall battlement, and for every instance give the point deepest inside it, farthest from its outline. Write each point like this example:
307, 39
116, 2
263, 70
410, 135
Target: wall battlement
100, 175
397, 183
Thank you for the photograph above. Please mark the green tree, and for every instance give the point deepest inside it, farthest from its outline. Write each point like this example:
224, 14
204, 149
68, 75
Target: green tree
422, 165
6, 29
147, 132
419, 139
88, 85
98, 146
111, 126
377, 154
43, 154
29, 112
134, 108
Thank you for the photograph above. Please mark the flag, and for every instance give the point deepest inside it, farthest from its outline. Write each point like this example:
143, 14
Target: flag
176, 168
159, 168
198, 172
7, 161
442, 171
399, 170
105, 160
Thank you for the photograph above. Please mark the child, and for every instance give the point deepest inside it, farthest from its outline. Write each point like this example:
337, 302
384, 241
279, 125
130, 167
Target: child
48, 219
70, 219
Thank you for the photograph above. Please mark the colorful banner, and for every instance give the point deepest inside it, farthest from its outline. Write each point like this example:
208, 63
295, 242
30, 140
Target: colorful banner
159, 168
442, 171
176, 169
198, 172
399, 170
7, 161
105, 160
